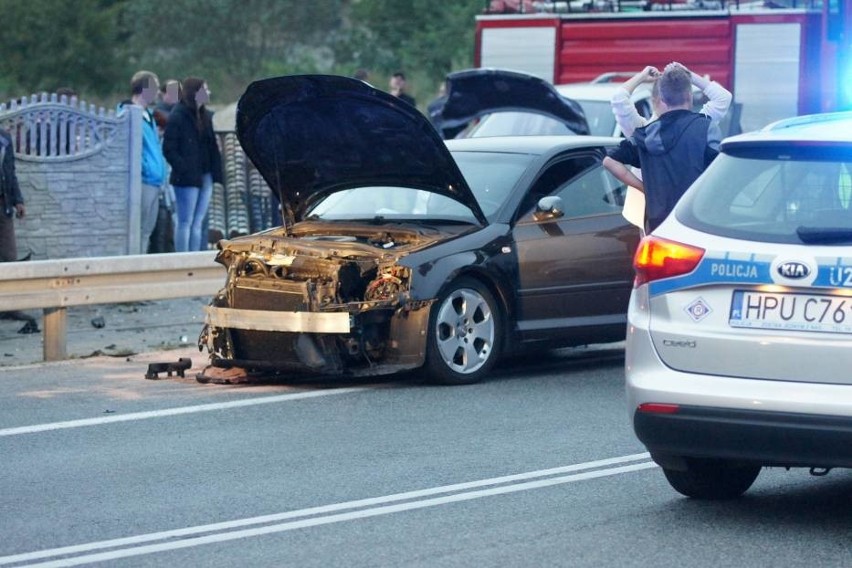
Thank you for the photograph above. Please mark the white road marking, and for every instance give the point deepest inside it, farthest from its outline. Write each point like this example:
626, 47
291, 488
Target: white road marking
171, 412
328, 514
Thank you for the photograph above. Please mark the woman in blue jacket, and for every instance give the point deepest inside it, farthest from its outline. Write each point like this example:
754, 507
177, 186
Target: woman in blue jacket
190, 147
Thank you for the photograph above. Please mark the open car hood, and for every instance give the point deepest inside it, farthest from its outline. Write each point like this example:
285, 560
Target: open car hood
473, 93
313, 135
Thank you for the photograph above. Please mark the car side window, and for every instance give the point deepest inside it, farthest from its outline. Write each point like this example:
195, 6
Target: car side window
555, 176
643, 107
594, 192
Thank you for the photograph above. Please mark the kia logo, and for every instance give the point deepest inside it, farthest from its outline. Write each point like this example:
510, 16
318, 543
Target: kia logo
794, 270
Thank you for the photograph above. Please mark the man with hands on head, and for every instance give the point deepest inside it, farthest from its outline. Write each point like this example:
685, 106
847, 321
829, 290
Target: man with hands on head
718, 98
671, 151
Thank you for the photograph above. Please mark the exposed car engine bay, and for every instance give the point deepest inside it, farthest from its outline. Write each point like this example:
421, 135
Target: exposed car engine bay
283, 291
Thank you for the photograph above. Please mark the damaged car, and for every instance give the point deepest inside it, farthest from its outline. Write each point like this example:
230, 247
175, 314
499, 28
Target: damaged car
400, 251
486, 102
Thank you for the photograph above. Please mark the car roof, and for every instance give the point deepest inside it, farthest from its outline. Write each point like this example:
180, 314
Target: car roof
528, 144
601, 92
825, 127
806, 133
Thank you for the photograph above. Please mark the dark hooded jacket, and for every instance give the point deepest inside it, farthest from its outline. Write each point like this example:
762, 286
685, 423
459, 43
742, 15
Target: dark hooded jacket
672, 152
191, 152
9, 188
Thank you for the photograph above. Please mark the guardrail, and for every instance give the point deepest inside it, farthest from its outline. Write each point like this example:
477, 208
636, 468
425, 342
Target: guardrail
55, 285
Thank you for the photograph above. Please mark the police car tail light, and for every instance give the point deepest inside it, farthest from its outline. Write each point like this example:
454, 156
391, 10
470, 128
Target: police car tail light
658, 258
658, 408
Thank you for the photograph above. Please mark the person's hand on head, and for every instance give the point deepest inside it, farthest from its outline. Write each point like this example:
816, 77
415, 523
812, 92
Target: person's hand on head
675, 64
650, 73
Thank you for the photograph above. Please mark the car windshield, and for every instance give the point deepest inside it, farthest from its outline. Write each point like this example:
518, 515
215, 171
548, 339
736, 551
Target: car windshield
490, 175
785, 198
516, 124
599, 116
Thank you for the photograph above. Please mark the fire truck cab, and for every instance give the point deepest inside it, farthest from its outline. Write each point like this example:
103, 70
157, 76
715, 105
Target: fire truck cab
778, 59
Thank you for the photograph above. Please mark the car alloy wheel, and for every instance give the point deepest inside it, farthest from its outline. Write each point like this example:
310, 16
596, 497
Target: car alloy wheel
464, 333
712, 479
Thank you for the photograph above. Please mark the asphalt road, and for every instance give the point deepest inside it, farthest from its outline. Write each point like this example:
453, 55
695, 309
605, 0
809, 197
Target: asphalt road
537, 466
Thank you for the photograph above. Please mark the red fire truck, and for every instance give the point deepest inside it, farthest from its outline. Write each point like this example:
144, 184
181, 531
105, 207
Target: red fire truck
780, 58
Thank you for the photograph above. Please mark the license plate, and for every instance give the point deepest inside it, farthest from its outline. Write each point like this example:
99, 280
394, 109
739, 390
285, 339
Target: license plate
797, 312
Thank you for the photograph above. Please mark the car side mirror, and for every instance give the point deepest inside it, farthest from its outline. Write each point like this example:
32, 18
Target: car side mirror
550, 207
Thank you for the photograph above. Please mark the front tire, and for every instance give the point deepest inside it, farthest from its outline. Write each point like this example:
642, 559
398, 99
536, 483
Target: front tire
712, 479
465, 329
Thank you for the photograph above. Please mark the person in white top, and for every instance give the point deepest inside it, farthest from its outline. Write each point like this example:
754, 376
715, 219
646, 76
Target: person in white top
628, 118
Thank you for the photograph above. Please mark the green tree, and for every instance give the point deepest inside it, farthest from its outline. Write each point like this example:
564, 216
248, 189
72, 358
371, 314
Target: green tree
231, 42
47, 44
94, 46
422, 37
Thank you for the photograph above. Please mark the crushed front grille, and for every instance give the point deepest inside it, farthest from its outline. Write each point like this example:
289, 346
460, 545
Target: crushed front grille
274, 296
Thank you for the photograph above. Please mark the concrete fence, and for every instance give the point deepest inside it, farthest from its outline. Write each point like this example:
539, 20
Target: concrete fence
79, 169
80, 172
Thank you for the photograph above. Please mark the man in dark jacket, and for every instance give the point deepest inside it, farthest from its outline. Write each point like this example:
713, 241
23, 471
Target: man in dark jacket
671, 151
11, 206
11, 199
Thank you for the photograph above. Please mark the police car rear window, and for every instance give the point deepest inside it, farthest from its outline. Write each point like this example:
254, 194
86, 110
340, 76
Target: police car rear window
774, 195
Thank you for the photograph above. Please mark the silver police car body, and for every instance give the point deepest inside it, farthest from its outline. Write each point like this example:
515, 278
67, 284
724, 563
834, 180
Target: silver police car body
739, 344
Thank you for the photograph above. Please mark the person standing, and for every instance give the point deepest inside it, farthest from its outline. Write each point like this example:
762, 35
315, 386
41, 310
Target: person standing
169, 97
189, 144
362, 74
397, 88
718, 99
11, 207
163, 237
671, 151
629, 119
11, 199
144, 86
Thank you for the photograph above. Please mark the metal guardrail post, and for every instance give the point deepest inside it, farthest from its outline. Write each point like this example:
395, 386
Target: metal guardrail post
55, 334
55, 285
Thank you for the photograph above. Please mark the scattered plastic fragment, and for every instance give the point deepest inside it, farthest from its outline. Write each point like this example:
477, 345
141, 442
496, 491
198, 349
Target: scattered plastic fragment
154, 369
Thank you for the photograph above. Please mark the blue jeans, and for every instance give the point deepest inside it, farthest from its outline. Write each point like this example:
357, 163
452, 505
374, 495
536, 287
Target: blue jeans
192, 204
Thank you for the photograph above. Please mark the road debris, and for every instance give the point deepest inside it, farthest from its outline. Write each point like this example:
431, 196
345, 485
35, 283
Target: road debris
154, 369
223, 376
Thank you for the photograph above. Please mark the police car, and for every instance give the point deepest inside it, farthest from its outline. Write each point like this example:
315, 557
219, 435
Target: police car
739, 343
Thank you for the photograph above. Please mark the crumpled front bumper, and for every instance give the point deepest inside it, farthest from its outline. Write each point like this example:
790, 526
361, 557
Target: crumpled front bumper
330, 343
